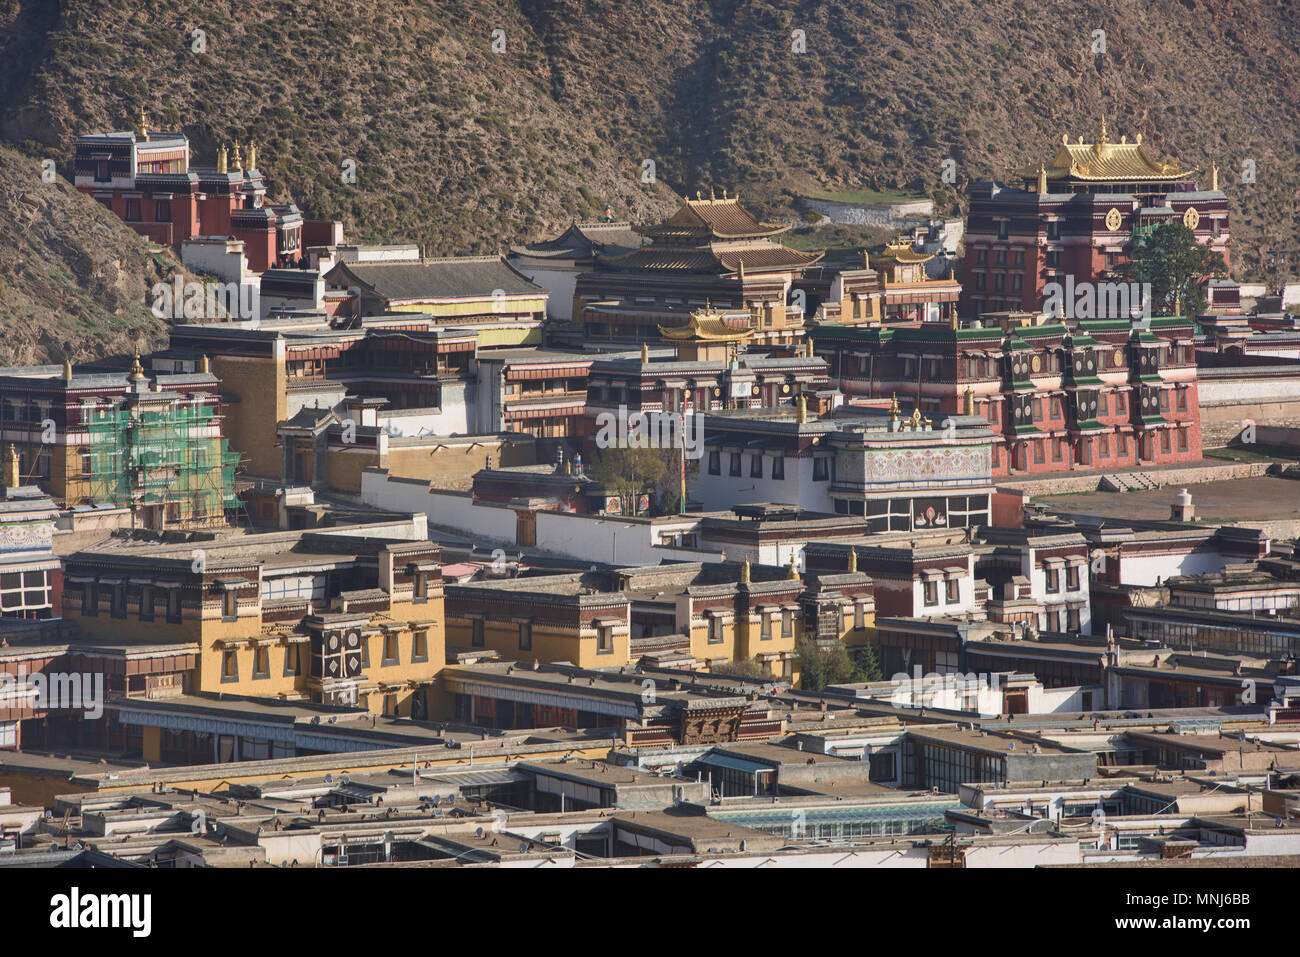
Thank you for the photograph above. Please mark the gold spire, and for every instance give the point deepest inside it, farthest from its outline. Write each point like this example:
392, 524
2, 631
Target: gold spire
67, 370
1042, 178
801, 409
968, 402
237, 161
894, 411
866, 259
12, 478
744, 570
252, 156
645, 353
222, 159
853, 559
1101, 133
205, 364
740, 270
793, 573
137, 370
142, 125
1214, 176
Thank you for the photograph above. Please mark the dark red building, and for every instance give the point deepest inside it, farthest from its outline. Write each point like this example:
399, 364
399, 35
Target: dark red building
1111, 394
1077, 215
147, 180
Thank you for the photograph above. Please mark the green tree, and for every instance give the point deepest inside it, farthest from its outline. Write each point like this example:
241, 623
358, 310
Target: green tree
742, 669
628, 472
820, 667
869, 665
1175, 264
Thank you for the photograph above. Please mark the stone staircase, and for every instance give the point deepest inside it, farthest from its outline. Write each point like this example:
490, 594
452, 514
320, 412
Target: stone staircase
1127, 482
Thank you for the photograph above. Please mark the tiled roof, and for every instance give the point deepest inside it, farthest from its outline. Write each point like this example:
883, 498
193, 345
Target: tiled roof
466, 277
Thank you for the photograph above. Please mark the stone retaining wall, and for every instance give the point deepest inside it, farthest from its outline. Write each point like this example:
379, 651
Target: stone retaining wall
868, 214
1091, 481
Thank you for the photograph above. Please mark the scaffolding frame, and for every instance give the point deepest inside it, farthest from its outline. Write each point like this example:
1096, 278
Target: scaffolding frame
173, 457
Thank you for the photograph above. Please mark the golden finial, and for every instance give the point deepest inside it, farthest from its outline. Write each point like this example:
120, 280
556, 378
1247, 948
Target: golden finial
12, 470
222, 159
866, 259
1214, 176
793, 573
1101, 138
916, 418
968, 402
724, 192
142, 125
744, 571
237, 161
853, 559
1138, 139
67, 370
205, 364
645, 353
740, 270
252, 156
712, 195
894, 411
137, 370
801, 409
1042, 178
699, 196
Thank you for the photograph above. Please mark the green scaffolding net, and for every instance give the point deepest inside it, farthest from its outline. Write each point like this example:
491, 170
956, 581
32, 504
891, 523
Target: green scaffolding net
174, 457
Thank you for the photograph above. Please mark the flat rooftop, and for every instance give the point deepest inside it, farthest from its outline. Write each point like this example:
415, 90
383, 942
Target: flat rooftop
1251, 501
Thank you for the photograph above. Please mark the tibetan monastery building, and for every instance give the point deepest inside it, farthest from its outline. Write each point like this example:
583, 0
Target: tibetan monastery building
710, 250
1077, 215
146, 179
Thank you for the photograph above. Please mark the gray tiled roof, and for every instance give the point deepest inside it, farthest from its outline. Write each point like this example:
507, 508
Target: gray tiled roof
458, 278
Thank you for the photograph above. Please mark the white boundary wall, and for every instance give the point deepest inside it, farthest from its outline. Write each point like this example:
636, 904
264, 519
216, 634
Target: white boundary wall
595, 538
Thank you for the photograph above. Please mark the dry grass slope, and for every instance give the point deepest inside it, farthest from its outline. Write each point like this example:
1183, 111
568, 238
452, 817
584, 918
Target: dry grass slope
465, 150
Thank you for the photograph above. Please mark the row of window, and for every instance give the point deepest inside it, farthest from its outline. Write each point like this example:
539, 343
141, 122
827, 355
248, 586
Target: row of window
1052, 578
94, 593
823, 466
293, 657
951, 592
1169, 439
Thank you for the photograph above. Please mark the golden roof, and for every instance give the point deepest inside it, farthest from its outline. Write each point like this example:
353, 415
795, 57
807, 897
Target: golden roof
721, 218
707, 325
1105, 160
902, 252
